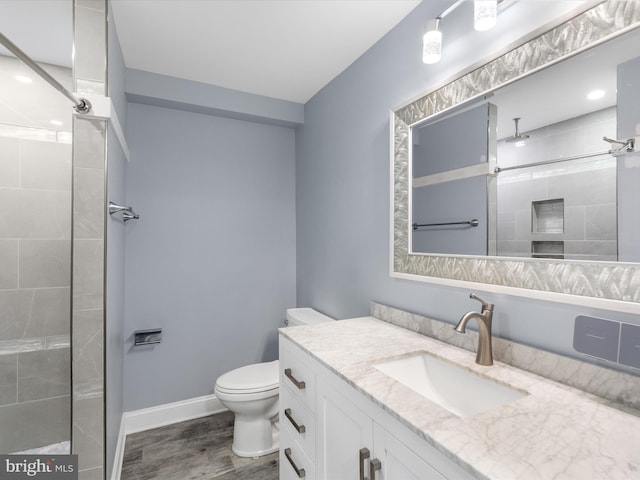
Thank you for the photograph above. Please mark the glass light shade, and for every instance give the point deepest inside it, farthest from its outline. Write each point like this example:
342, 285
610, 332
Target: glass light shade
485, 14
432, 46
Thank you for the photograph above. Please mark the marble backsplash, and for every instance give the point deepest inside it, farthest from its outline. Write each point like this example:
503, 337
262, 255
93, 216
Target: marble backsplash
615, 386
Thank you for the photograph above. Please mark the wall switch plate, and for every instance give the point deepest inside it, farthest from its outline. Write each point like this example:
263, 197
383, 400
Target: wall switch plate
596, 337
630, 345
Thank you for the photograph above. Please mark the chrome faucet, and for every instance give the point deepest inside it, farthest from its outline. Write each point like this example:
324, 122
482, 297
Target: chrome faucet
484, 356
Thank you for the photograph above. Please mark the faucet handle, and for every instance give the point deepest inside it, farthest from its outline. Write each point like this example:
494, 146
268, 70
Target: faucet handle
485, 305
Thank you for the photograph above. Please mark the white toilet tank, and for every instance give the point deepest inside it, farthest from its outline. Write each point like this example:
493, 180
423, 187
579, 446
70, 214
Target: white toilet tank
305, 316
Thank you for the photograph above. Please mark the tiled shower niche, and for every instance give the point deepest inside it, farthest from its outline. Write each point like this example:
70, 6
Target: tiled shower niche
547, 216
547, 249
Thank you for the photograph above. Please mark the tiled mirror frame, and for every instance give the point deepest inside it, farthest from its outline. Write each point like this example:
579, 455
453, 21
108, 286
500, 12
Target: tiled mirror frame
617, 282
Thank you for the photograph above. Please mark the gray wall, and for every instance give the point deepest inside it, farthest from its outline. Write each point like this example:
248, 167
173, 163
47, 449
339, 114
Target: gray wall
454, 142
212, 259
454, 201
342, 184
115, 281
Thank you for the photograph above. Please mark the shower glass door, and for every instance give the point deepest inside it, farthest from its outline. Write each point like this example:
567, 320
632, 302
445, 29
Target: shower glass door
35, 250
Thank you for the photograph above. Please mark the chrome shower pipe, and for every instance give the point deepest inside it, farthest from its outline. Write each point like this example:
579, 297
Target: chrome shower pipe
81, 105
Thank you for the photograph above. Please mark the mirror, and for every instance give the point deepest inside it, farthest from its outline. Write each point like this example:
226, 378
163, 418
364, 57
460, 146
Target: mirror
552, 174
474, 189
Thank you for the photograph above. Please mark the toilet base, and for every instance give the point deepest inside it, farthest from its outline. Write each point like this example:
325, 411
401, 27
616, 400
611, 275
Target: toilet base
245, 436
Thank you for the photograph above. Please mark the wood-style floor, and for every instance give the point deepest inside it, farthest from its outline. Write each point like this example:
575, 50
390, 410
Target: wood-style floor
196, 449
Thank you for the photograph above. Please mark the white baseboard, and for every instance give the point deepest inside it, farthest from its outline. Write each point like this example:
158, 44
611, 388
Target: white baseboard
119, 453
159, 416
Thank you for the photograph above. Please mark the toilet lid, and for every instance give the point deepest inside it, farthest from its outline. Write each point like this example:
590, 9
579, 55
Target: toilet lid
258, 377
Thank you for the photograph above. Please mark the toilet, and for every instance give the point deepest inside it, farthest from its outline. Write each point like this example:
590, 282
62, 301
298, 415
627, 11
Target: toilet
251, 393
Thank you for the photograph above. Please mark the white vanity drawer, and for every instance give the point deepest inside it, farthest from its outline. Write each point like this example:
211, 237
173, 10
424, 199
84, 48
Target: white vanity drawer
297, 374
292, 458
298, 421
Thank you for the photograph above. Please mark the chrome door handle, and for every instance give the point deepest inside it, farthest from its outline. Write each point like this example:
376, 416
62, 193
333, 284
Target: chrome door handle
298, 383
364, 454
299, 471
299, 428
374, 466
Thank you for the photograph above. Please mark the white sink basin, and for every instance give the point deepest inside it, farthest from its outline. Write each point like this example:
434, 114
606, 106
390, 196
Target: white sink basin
460, 391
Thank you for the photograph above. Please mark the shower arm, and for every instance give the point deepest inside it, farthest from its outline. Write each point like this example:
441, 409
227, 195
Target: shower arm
81, 105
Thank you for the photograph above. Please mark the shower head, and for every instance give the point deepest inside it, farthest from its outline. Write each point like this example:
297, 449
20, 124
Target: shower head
517, 136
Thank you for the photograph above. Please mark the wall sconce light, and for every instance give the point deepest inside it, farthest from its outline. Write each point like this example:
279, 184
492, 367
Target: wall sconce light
485, 14
432, 42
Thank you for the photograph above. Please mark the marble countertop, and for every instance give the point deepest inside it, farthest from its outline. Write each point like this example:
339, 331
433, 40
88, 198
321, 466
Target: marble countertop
553, 432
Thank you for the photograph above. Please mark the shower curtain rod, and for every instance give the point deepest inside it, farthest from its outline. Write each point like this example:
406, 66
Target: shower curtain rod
81, 105
557, 160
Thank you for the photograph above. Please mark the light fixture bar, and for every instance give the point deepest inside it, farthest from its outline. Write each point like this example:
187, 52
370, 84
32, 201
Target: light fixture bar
453, 6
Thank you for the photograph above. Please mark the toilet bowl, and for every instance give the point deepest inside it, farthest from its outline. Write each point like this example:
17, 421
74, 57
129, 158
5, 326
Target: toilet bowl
251, 393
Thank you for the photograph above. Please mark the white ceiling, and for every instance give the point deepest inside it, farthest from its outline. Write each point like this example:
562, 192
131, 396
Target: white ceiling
43, 29
286, 49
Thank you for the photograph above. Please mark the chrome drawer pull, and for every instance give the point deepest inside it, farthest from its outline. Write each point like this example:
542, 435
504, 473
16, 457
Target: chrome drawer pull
299, 428
374, 466
297, 383
299, 471
364, 454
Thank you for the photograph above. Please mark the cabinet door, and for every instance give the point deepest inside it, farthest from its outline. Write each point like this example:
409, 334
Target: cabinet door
398, 461
343, 429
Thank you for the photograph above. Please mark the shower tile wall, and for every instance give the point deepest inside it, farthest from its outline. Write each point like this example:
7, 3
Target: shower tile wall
35, 229
588, 188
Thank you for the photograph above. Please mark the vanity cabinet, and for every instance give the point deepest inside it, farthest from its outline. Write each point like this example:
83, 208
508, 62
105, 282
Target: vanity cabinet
354, 445
345, 435
297, 414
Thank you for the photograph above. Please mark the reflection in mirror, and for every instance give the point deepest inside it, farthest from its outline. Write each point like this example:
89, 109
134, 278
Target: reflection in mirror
535, 165
452, 171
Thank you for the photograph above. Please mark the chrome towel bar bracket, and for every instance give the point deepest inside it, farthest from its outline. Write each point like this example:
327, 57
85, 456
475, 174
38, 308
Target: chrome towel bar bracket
127, 212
